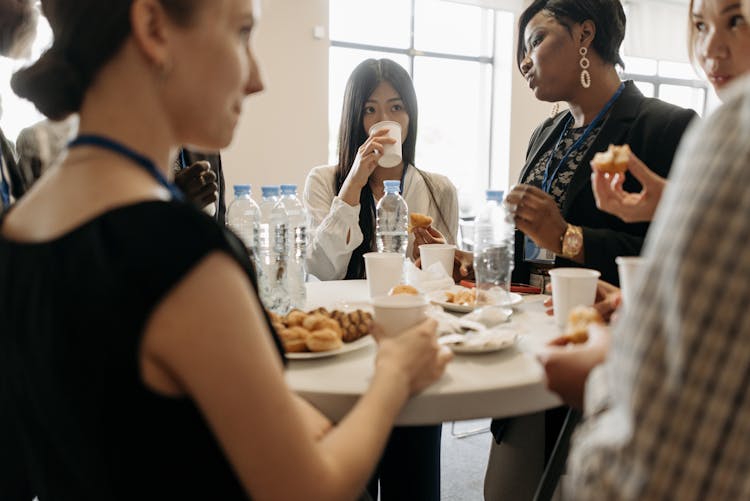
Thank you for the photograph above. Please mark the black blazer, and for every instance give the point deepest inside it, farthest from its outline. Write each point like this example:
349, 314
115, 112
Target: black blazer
653, 130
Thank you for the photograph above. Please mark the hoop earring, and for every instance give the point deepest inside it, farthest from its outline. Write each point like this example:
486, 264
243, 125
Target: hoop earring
585, 63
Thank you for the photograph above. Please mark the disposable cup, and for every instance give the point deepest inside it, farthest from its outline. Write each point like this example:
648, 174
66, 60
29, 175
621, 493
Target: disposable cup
629, 268
395, 314
384, 270
391, 156
572, 287
438, 253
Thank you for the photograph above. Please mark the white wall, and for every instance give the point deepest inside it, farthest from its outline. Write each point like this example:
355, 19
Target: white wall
284, 131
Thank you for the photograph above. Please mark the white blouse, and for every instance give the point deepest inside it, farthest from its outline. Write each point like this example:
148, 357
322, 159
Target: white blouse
332, 218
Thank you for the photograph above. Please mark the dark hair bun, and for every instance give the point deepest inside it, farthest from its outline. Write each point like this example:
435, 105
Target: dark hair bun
52, 84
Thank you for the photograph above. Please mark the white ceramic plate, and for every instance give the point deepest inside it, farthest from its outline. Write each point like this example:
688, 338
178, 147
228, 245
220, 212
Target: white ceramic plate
463, 344
353, 346
438, 297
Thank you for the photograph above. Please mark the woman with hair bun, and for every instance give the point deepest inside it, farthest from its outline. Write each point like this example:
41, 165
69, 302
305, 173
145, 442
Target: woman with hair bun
115, 383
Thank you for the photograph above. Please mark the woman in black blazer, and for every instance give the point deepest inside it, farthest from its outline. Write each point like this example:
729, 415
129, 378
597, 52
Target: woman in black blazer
567, 51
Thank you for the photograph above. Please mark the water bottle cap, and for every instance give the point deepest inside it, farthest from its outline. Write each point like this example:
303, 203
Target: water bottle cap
392, 186
241, 189
496, 195
270, 191
289, 189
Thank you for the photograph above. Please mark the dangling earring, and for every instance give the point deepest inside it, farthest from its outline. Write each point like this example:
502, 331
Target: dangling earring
555, 110
585, 63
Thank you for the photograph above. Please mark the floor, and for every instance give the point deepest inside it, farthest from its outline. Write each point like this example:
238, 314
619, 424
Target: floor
463, 461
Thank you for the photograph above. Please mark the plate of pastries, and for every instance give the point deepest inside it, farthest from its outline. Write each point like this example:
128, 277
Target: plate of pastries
322, 333
463, 300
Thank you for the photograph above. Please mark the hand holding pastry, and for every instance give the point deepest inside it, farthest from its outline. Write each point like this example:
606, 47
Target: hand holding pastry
568, 367
607, 301
630, 207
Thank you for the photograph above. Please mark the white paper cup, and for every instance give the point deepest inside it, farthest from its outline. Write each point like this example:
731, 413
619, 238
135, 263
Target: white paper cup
391, 156
572, 287
384, 270
438, 253
629, 268
395, 314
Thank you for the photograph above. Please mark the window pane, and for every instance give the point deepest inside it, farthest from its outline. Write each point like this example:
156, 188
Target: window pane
341, 64
677, 70
385, 23
454, 127
452, 28
687, 97
639, 65
646, 88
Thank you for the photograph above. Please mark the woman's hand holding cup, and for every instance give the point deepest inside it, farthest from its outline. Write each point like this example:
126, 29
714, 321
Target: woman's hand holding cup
414, 354
364, 165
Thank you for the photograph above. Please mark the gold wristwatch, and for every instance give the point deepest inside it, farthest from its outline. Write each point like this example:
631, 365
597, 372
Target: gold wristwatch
572, 241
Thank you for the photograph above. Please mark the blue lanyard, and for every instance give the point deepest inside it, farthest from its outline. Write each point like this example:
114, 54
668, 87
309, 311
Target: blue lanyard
140, 160
548, 179
183, 162
4, 185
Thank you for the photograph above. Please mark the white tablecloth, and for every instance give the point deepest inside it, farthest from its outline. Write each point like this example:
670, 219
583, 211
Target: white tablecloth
505, 383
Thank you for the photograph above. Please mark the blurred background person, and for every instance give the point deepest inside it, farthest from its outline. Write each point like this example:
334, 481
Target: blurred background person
568, 50
17, 31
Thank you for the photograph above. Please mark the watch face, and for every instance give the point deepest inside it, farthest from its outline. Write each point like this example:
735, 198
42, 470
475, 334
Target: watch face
572, 243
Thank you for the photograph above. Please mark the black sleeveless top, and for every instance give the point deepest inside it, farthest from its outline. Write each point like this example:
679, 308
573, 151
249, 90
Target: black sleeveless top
76, 421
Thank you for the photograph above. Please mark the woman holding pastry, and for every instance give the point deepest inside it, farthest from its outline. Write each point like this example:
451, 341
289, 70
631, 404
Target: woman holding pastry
719, 43
341, 198
569, 54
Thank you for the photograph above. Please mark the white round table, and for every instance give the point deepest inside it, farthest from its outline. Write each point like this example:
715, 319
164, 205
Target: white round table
500, 384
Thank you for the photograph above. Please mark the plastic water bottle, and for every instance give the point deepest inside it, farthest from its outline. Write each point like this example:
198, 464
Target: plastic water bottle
392, 225
243, 217
272, 252
493, 251
296, 242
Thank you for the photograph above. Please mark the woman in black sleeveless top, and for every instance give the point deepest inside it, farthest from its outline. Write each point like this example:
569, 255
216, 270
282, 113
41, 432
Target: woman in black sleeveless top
135, 359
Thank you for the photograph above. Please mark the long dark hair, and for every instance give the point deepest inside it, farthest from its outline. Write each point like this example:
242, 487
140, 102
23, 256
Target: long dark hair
361, 84
607, 15
87, 34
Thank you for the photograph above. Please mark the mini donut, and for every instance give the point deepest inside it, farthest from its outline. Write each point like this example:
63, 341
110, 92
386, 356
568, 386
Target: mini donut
417, 220
613, 161
403, 289
295, 318
294, 339
324, 340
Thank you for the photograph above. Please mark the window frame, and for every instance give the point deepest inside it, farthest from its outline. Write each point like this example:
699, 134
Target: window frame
412, 53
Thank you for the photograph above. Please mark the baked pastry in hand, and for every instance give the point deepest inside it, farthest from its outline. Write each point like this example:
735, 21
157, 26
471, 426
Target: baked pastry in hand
417, 220
579, 319
613, 161
400, 289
